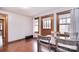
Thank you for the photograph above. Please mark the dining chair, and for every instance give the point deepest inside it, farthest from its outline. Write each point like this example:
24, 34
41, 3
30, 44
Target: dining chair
41, 42
67, 45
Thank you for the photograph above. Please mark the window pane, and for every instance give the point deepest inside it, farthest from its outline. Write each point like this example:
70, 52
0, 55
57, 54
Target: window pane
64, 20
36, 25
68, 20
66, 28
69, 28
36, 28
49, 24
46, 23
62, 28
60, 21
36, 22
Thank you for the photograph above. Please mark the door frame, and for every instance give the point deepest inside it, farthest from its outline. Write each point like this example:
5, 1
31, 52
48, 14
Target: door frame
5, 31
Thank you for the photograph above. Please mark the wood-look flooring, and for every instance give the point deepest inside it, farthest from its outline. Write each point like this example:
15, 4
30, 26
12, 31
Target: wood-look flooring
20, 46
23, 45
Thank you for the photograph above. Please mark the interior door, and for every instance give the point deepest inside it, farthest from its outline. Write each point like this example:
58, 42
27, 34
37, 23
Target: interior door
47, 25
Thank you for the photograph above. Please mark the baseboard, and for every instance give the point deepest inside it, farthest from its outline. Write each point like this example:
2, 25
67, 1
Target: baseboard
21, 39
29, 36
16, 40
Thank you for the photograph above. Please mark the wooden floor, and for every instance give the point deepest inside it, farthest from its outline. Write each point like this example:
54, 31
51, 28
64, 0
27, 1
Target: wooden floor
28, 45
20, 46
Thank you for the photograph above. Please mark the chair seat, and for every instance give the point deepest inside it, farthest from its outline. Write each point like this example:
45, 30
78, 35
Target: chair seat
61, 50
66, 48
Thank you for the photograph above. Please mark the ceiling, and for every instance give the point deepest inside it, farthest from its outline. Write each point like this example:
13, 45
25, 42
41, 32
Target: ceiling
29, 11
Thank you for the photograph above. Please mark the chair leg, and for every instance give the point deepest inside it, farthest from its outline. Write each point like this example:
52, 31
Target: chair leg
39, 46
49, 46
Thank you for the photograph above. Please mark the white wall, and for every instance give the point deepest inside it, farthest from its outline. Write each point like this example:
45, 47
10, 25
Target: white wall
18, 26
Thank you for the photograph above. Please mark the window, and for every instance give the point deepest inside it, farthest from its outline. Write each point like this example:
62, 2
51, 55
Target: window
36, 24
47, 23
64, 23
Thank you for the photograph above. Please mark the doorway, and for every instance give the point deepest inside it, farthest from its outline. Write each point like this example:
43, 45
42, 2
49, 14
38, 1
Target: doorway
47, 25
3, 32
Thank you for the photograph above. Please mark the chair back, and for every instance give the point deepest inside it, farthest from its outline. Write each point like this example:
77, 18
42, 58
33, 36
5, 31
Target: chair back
42, 40
70, 42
